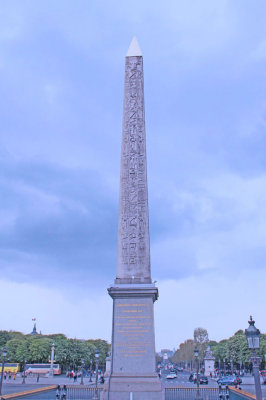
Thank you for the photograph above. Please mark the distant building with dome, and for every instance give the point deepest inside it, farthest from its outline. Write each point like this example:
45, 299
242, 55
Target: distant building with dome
34, 330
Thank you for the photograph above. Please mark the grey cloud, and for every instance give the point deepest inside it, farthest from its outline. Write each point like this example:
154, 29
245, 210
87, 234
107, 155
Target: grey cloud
58, 216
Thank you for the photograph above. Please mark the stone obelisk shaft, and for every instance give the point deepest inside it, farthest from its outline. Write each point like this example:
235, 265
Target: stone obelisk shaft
132, 373
133, 258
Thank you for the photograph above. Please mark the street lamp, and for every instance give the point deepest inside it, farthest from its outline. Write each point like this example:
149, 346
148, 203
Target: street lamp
51, 372
231, 363
224, 366
196, 354
97, 367
82, 372
24, 370
90, 370
4, 354
253, 339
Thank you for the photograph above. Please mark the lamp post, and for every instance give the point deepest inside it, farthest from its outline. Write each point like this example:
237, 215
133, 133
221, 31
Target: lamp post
96, 383
51, 372
224, 366
4, 354
196, 354
24, 371
253, 339
231, 363
82, 372
90, 370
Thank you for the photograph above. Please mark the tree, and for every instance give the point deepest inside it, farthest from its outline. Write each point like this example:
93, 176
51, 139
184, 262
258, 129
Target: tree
185, 353
12, 347
201, 340
39, 350
68, 352
4, 337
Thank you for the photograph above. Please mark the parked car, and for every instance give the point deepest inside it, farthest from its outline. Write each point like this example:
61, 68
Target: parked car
203, 380
180, 369
172, 375
229, 380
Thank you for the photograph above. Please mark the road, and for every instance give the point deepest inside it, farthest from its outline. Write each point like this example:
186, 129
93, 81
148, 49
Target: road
182, 380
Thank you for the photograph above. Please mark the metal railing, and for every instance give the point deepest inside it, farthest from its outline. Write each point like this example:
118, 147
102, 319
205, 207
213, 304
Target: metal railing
189, 393
81, 392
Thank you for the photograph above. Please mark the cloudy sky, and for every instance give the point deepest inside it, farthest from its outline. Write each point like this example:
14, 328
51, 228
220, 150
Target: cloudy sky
61, 81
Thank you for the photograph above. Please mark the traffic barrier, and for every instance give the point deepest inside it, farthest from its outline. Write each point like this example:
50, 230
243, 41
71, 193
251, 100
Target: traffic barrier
189, 393
81, 392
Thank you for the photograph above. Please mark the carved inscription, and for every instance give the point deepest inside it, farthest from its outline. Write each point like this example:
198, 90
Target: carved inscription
133, 238
133, 327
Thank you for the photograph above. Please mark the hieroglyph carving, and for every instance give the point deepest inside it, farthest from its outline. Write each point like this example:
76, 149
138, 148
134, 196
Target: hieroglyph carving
133, 231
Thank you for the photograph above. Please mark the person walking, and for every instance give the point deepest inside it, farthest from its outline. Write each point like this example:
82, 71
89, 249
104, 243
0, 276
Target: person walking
14, 376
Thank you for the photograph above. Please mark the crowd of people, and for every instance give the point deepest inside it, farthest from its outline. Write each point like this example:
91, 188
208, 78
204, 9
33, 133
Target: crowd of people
76, 374
9, 375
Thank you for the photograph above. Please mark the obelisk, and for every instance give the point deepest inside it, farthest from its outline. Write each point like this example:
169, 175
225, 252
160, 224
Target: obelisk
133, 372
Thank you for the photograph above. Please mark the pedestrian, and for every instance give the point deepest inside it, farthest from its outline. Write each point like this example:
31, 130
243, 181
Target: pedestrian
75, 377
64, 394
5, 375
14, 376
9, 375
58, 392
38, 377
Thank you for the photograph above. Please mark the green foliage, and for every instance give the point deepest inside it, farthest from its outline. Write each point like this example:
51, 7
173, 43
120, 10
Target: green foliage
39, 349
4, 337
69, 352
235, 347
12, 347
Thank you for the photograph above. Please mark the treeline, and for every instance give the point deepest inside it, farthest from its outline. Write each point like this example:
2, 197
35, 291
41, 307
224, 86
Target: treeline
69, 353
234, 348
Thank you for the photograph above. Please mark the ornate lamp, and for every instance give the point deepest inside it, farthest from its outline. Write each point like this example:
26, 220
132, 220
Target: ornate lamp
252, 335
253, 339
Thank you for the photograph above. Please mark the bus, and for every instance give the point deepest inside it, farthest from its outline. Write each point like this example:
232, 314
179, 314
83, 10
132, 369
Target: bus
11, 367
31, 369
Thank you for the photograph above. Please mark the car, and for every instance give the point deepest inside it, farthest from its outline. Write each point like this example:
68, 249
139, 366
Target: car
192, 376
180, 369
263, 373
203, 380
229, 380
172, 375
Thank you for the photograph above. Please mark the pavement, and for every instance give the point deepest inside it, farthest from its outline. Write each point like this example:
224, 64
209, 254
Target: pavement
181, 381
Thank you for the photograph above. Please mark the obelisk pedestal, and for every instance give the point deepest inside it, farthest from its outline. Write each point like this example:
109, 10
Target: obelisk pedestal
133, 371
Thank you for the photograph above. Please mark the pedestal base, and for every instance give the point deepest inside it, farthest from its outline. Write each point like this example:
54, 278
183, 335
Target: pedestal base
133, 388
133, 375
